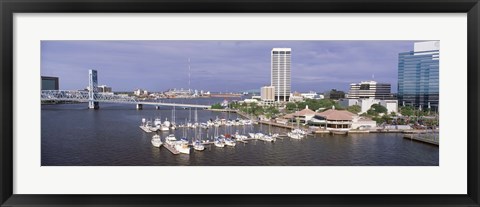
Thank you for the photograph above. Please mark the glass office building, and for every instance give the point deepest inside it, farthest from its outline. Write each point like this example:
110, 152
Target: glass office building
49, 83
418, 76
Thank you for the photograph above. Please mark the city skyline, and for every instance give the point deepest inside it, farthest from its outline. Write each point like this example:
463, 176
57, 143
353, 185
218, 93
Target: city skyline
220, 65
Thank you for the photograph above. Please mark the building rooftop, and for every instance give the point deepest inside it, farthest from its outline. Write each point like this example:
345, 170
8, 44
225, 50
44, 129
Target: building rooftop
332, 114
304, 112
282, 49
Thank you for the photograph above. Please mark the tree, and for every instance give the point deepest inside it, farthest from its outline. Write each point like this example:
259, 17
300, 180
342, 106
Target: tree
217, 106
291, 106
334, 94
379, 108
354, 109
407, 111
372, 112
271, 111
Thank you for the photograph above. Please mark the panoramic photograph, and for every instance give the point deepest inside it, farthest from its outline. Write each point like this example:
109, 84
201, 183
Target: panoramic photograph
240, 103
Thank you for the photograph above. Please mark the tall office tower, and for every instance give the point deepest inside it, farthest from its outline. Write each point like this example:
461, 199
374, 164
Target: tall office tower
280, 73
92, 89
369, 89
418, 80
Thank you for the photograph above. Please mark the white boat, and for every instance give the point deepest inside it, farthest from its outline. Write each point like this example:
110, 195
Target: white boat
197, 142
259, 135
166, 123
156, 141
182, 146
229, 142
299, 131
295, 135
157, 122
171, 140
240, 137
197, 145
173, 125
210, 123
268, 138
218, 142
163, 128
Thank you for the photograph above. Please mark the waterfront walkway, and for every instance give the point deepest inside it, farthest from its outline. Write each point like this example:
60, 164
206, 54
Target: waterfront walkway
429, 138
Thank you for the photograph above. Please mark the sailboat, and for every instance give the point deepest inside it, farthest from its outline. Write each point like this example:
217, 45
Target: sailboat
197, 143
173, 126
296, 133
217, 140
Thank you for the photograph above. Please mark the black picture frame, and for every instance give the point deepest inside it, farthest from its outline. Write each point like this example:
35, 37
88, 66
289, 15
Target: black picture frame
10, 7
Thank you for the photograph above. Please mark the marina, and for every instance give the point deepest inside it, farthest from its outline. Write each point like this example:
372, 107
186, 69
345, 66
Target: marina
119, 141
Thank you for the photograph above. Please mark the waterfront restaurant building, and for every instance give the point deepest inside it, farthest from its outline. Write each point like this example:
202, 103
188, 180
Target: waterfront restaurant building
369, 89
280, 73
332, 119
302, 117
418, 76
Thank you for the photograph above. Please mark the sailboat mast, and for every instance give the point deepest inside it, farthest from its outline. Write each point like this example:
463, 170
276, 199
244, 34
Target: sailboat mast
189, 74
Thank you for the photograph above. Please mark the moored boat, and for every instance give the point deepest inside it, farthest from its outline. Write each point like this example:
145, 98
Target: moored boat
156, 141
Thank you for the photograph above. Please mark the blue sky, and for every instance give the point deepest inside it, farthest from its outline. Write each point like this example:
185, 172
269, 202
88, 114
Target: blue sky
219, 65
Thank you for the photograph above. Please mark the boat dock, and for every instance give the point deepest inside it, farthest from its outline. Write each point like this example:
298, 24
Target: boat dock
276, 124
145, 129
171, 149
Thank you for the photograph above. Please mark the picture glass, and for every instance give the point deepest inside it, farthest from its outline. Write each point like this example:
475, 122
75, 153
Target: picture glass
240, 103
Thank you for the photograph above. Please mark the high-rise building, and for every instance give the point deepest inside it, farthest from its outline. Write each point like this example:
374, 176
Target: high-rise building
50, 83
280, 73
369, 89
267, 94
418, 76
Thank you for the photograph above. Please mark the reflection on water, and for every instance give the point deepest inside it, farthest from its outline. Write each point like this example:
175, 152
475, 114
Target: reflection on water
74, 135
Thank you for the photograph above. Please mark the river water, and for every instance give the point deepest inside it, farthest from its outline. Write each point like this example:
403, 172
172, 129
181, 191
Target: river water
73, 135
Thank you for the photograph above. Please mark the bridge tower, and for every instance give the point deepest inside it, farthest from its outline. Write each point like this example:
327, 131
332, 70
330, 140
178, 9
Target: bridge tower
92, 89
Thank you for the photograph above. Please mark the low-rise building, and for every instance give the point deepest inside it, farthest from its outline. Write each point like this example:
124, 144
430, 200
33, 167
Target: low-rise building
104, 89
311, 95
331, 119
366, 103
296, 97
140, 92
369, 89
250, 100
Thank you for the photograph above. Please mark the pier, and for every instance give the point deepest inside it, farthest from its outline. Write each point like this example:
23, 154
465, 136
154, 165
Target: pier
145, 129
171, 149
233, 111
277, 124
422, 137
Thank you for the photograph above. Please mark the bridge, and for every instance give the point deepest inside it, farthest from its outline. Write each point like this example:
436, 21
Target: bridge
83, 96
93, 97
